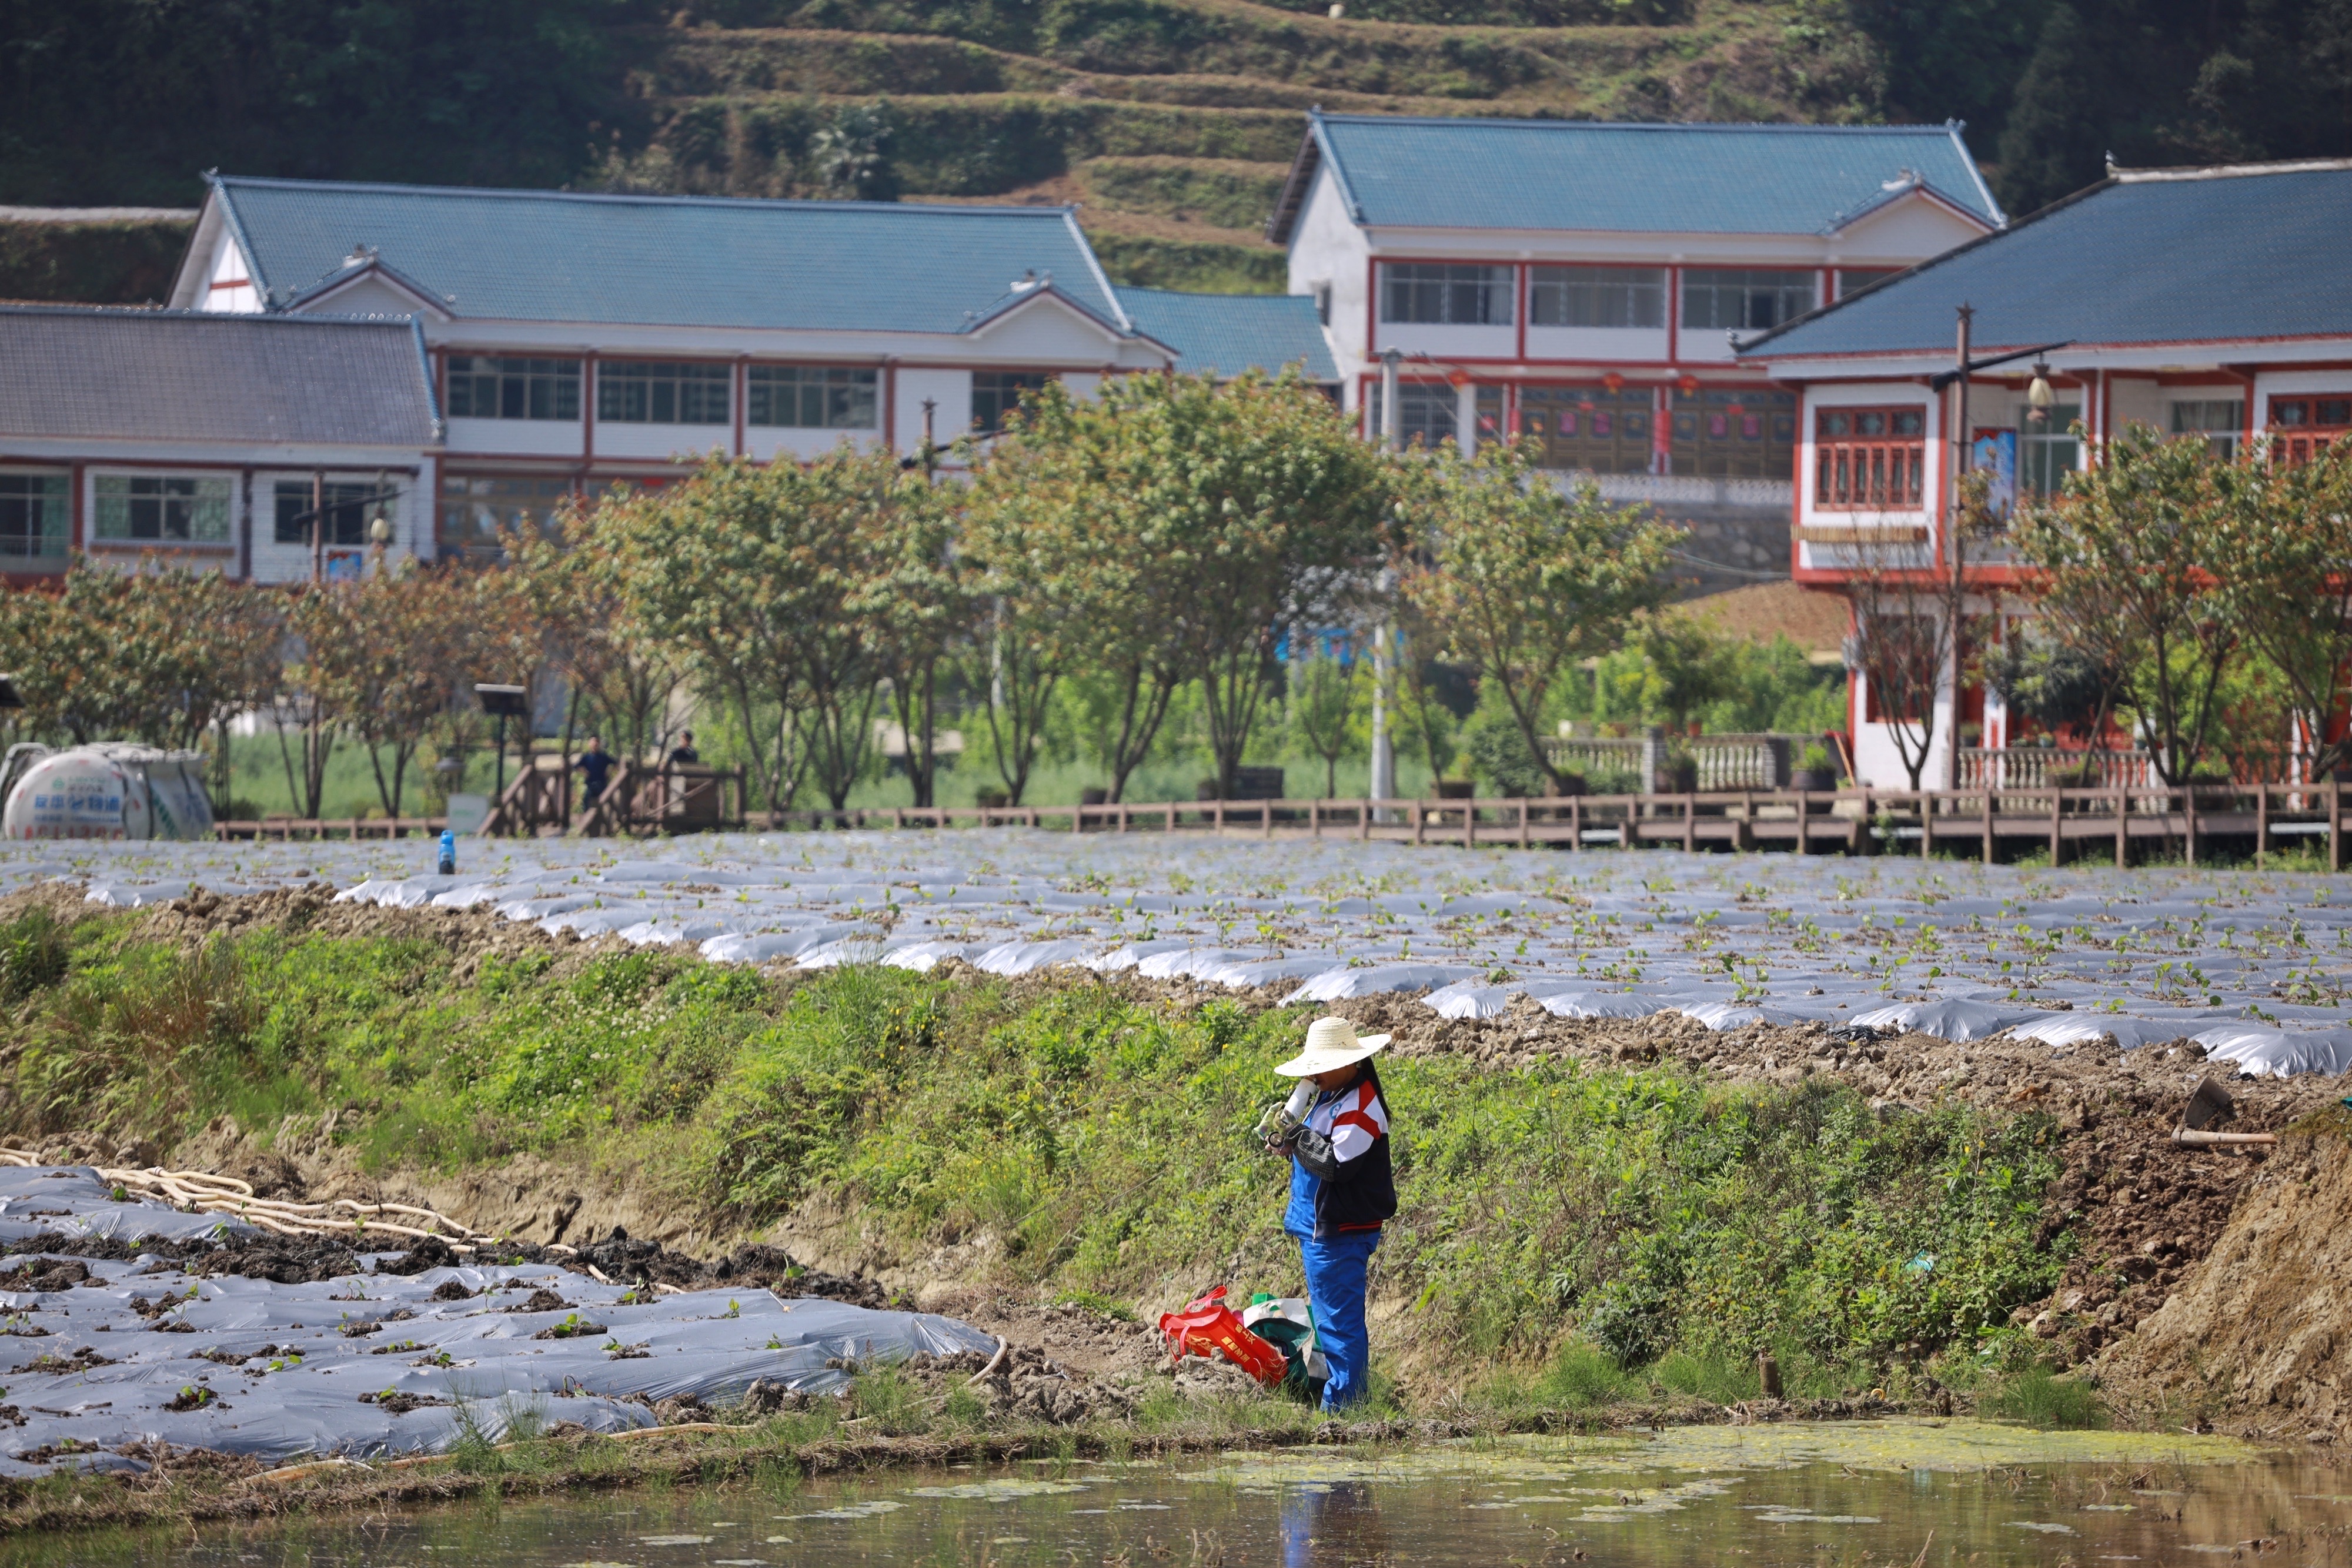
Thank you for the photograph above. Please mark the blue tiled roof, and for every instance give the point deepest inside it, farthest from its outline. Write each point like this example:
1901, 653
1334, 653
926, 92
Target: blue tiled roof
685, 261
1230, 333
2142, 258
1642, 179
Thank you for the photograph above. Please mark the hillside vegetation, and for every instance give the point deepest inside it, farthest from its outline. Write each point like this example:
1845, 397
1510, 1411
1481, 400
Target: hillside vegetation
125, 101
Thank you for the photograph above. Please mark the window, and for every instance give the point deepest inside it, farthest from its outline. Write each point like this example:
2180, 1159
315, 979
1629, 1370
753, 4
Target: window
477, 507
1597, 296
1869, 459
2220, 419
1426, 413
1439, 292
2047, 451
33, 522
1744, 299
1855, 279
1734, 432
486, 386
663, 392
995, 394
2302, 427
811, 397
138, 509
350, 509
1590, 428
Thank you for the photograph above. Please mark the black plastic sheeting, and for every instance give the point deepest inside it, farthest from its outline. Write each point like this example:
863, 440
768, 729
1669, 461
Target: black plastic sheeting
278, 1370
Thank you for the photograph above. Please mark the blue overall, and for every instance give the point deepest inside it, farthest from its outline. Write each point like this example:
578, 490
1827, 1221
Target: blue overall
1336, 1266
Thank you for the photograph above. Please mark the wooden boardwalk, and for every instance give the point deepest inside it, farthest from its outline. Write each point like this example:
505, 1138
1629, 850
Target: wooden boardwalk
2071, 824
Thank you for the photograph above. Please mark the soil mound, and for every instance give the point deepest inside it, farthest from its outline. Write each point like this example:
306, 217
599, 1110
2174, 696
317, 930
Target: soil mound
2260, 1339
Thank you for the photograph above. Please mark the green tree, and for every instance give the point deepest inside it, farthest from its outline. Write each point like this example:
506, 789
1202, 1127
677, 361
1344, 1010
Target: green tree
2121, 573
1522, 579
2283, 552
1326, 710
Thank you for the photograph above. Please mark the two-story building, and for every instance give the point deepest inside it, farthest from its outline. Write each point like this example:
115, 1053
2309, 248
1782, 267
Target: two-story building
2203, 302
551, 344
1580, 284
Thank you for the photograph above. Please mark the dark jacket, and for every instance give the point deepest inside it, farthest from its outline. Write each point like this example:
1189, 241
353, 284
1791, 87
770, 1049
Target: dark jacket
1354, 1194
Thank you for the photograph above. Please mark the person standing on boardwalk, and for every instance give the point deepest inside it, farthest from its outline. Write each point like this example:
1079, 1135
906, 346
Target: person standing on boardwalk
1341, 1192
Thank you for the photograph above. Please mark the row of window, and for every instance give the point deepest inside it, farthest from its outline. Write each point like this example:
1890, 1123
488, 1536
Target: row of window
688, 392
170, 508
1747, 433
1713, 298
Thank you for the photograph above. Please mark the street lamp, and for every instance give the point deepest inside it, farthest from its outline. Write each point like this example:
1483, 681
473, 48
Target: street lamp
2038, 395
502, 703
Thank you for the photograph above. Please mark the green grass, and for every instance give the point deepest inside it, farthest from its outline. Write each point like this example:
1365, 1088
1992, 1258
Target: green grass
2036, 1397
1647, 1217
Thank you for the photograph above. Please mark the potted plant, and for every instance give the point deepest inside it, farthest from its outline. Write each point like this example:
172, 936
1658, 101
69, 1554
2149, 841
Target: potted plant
1679, 774
1815, 770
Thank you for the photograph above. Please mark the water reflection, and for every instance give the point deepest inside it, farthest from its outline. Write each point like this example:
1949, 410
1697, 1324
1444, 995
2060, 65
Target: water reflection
1844, 1494
1331, 1523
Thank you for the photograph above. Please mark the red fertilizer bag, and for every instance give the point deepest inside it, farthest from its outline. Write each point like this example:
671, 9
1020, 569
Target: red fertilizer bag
1207, 1325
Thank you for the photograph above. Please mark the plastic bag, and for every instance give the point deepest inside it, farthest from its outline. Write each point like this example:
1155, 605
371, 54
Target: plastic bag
1207, 1325
1288, 1324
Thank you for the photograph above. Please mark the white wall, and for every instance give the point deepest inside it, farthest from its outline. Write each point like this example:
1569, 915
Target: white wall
228, 267
952, 391
1862, 395
518, 437
655, 442
1624, 345
1327, 247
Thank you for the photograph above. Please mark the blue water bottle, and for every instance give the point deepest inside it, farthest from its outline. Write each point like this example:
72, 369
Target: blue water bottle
449, 852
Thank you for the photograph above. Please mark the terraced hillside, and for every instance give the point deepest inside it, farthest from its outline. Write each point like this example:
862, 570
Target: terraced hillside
1173, 122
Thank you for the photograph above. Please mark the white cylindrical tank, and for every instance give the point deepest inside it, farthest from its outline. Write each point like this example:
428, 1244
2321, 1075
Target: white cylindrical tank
108, 790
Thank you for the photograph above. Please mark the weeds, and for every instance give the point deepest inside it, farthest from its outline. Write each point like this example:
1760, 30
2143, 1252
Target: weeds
2038, 1397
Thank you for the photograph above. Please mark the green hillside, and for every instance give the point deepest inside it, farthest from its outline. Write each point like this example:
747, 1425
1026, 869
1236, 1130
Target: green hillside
1171, 122
1170, 119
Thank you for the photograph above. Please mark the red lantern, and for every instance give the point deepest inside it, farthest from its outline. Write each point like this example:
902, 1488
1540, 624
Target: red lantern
1457, 378
1613, 381
1688, 383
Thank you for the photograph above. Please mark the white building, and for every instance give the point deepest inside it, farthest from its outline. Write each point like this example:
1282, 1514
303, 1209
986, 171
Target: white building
1580, 283
575, 341
2206, 303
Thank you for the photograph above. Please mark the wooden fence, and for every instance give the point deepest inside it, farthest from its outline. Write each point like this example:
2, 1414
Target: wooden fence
2072, 824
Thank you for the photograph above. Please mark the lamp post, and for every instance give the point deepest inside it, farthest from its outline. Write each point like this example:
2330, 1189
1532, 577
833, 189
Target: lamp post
502, 703
2039, 397
1383, 771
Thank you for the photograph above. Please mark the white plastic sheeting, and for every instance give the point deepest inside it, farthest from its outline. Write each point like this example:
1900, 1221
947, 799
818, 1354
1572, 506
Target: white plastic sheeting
1950, 949
304, 1354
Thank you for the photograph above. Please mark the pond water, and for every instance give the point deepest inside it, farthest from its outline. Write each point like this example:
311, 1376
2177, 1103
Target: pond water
1882, 1493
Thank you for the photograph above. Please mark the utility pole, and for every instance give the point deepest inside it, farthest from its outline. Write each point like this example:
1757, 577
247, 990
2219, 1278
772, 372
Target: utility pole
1384, 781
1964, 459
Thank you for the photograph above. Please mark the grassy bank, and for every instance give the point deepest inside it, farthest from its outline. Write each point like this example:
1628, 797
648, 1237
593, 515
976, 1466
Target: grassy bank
1579, 1232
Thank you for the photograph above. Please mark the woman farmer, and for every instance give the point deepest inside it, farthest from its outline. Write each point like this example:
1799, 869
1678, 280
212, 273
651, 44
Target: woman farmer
1341, 1192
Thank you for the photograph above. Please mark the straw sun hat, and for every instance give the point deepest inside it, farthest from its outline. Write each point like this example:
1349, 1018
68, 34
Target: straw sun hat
1331, 1043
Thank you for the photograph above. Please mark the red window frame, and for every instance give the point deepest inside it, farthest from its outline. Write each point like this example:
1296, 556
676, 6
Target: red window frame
1870, 459
2304, 424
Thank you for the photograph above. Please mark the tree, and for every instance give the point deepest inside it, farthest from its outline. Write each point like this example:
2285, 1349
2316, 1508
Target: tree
1063, 536
2121, 573
1238, 501
390, 665
1522, 579
742, 565
922, 606
619, 671
1911, 616
1325, 702
2282, 553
